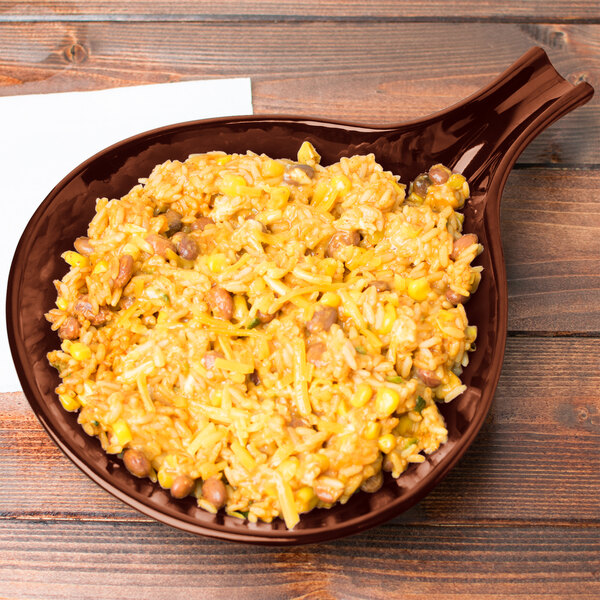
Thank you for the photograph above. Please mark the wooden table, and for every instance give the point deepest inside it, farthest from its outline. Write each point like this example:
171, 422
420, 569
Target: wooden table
519, 517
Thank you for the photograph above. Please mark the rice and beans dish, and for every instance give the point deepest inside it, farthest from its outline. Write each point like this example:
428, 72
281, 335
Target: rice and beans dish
267, 335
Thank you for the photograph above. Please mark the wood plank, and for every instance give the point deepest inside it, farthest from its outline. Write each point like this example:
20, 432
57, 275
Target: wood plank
550, 231
540, 10
334, 70
52, 560
538, 451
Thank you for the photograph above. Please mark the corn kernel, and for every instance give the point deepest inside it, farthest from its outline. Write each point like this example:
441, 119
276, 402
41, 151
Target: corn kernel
342, 409
306, 499
165, 478
372, 430
100, 267
329, 266
405, 425
375, 237
386, 401
320, 192
279, 196
240, 308
456, 181
272, 168
288, 468
232, 185
418, 289
74, 259
80, 351
161, 317
330, 299
132, 250
362, 395
387, 443
61, 303
323, 462
307, 154
389, 318
216, 398
216, 262
69, 402
122, 431
223, 160
341, 184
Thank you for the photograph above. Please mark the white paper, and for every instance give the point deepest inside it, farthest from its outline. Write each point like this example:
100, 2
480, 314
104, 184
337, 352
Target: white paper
43, 137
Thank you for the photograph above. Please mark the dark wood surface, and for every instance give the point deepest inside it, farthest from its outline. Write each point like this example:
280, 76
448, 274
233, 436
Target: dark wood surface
519, 517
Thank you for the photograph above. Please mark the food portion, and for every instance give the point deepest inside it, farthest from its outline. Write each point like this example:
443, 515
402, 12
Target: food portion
267, 335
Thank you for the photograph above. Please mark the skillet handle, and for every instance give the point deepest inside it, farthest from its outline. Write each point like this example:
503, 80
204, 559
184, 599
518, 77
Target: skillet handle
508, 114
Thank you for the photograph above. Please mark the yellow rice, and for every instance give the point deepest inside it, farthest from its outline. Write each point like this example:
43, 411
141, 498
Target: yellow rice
285, 434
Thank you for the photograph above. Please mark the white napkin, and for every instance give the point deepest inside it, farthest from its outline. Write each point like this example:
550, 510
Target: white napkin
43, 137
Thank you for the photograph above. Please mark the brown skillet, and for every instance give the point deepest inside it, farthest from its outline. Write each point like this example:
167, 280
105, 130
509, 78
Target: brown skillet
481, 137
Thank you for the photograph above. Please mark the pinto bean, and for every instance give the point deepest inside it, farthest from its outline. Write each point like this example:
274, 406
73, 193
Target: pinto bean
69, 330
83, 307
182, 486
420, 185
220, 302
439, 174
428, 377
187, 247
265, 317
208, 360
160, 244
299, 174
323, 319
83, 246
173, 221
200, 223
380, 286
340, 239
126, 301
461, 244
372, 484
125, 271
215, 492
314, 354
455, 297
136, 462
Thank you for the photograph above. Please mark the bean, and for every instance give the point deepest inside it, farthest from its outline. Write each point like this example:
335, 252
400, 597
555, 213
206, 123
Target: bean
323, 319
372, 484
136, 462
265, 317
200, 223
83, 246
160, 244
297, 421
186, 247
380, 286
125, 271
208, 360
420, 185
84, 307
314, 354
182, 486
69, 330
215, 492
428, 377
173, 221
220, 302
254, 378
461, 244
325, 493
126, 302
455, 297
439, 174
340, 239
299, 174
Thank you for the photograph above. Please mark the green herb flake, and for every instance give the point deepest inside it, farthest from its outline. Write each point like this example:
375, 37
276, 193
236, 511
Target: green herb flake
421, 404
410, 443
95, 423
253, 323
360, 350
394, 379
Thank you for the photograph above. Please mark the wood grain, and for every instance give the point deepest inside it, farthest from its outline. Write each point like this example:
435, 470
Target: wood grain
540, 10
538, 450
333, 70
50, 560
